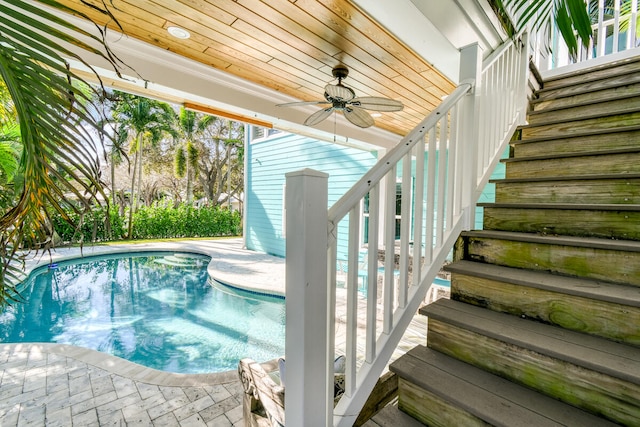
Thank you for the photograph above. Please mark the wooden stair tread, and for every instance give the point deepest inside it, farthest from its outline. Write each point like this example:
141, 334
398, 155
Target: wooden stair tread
552, 121
391, 416
565, 206
588, 242
493, 399
590, 352
595, 73
583, 88
577, 135
587, 288
565, 178
570, 155
581, 104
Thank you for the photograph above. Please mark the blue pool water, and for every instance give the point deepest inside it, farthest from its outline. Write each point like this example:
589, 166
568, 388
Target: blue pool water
156, 309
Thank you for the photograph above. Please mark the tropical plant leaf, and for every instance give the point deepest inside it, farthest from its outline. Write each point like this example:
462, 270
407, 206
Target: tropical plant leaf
563, 21
570, 16
9, 151
580, 20
59, 165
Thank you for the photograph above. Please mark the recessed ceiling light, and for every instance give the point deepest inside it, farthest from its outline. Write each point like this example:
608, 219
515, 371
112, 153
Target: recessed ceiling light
178, 32
376, 115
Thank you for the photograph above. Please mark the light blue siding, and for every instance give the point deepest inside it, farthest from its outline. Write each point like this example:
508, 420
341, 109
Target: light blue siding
270, 159
268, 162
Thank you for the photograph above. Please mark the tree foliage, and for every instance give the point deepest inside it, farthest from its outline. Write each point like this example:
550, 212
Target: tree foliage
142, 122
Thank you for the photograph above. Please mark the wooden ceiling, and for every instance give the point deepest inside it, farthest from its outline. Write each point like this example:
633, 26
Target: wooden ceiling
287, 45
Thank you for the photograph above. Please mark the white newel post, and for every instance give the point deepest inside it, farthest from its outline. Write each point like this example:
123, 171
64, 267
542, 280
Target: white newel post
306, 299
470, 69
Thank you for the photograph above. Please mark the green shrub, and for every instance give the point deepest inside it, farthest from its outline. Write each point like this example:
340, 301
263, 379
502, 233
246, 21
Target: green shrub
92, 227
159, 221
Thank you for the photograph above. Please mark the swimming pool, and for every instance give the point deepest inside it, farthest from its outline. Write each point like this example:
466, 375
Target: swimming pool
157, 309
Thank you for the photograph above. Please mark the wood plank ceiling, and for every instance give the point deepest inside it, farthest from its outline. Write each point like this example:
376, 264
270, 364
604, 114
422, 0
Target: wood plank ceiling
287, 45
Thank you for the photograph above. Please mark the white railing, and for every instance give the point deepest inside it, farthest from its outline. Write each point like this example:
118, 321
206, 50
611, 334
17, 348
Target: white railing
444, 162
614, 31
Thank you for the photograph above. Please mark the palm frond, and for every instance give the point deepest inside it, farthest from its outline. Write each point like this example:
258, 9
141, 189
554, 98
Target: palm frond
570, 16
9, 151
59, 156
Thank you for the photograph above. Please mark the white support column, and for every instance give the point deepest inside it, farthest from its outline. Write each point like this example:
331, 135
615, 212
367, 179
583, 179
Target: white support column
306, 396
470, 69
245, 226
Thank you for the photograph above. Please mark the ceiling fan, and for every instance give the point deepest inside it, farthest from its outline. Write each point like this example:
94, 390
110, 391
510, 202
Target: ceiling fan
343, 98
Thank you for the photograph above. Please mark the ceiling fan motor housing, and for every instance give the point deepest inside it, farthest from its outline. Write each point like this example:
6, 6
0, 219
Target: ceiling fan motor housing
340, 71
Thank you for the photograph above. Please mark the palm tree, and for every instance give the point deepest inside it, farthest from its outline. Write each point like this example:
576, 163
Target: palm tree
186, 158
58, 158
142, 122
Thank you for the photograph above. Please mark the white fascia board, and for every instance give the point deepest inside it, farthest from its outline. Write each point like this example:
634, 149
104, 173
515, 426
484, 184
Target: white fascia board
164, 72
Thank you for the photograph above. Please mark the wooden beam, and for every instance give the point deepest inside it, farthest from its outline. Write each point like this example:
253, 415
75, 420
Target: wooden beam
228, 115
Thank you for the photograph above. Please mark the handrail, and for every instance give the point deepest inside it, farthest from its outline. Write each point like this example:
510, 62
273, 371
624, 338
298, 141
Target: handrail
408, 209
362, 187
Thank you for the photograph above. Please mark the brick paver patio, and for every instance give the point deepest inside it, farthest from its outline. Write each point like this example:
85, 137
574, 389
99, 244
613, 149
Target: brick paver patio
59, 385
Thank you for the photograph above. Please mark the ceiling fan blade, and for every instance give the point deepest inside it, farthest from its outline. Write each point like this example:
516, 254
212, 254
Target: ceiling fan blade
318, 116
358, 116
339, 92
294, 104
376, 103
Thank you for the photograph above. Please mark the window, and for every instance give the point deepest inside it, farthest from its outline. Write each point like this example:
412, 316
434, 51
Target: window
258, 132
365, 213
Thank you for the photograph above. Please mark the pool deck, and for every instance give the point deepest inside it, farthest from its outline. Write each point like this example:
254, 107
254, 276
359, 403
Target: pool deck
44, 384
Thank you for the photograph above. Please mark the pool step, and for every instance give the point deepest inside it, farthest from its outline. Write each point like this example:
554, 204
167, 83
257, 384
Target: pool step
595, 307
180, 260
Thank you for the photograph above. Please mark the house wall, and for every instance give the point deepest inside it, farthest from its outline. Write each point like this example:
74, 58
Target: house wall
269, 159
267, 163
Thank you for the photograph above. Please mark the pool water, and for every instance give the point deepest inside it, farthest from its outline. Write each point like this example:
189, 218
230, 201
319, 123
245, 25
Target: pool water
160, 310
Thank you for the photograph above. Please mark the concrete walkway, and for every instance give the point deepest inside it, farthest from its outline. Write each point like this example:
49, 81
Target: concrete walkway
61, 385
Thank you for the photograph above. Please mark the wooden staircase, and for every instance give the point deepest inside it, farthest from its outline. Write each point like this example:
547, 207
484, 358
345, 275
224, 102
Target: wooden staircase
543, 325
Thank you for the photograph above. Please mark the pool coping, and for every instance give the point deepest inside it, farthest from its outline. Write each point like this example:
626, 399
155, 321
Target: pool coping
119, 366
